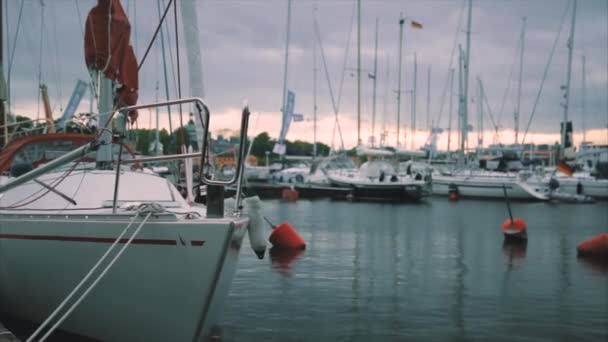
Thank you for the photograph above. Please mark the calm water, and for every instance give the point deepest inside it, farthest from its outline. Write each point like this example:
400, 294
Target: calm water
436, 271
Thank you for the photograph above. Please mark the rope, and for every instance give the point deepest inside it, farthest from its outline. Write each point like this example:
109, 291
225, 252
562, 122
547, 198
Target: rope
149, 208
143, 59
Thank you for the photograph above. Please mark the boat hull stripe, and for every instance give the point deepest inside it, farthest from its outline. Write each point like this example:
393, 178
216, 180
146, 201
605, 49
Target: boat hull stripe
163, 242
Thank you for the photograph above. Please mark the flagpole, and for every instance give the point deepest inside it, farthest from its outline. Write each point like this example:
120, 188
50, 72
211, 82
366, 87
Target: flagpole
284, 106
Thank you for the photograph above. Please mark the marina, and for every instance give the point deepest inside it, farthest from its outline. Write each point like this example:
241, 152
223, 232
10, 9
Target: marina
150, 207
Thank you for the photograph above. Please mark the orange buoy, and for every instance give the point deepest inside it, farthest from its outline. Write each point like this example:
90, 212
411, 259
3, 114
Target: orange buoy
284, 236
596, 246
290, 195
515, 229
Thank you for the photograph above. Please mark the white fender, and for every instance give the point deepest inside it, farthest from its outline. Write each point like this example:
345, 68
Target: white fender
256, 225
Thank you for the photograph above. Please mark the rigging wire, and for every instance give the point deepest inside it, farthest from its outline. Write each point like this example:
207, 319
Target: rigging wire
91, 79
447, 81
540, 90
335, 104
143, 59
509, 83
171, 61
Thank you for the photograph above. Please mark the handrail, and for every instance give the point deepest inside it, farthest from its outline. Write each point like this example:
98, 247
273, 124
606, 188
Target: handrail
242, 151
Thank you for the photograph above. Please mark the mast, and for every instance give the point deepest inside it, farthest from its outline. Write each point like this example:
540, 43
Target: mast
465, 121
284, 106
193, 54
314, 97
358, 72
583, 96
521, 68
157, 151
375, 81
386, 88
568, 77
428, 98
480, 113
414, 95
162, 48
461, 130
450, 108
401, 22
3, 92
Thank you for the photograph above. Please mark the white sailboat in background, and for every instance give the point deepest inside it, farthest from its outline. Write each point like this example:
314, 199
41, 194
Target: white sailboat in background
65, 225
378, 178
471, 181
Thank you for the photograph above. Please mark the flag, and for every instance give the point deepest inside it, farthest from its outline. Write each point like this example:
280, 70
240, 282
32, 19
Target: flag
416, 25
565, 169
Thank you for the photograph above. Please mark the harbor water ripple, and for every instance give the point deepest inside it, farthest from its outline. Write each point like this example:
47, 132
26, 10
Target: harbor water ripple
433, 271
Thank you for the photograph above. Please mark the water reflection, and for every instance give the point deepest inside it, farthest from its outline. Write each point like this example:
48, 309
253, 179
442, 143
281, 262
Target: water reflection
596, 264
514, 251
283, 260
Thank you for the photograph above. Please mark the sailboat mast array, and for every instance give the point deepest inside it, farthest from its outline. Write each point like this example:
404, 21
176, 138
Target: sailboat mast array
465, 90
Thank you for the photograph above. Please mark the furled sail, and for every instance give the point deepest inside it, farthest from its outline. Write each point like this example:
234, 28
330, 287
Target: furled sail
107, 49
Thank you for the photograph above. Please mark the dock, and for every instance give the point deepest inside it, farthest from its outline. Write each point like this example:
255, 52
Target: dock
274, 190
6, 335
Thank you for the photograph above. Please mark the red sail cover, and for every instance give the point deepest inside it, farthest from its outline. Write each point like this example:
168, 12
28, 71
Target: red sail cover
114, 57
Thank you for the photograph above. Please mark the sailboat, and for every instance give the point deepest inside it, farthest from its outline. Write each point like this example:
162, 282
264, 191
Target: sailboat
377, 179
495, 174
102, 250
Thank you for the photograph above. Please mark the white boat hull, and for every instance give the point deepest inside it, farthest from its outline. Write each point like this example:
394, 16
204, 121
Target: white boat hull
489, 187
596, 188
167, 286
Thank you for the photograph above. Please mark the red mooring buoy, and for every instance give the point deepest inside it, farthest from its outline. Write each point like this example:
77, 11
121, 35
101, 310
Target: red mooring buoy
515, 229
453, 196
284, 236
290, 195
596, 246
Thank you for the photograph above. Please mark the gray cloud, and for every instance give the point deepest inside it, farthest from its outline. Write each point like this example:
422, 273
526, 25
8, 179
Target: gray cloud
242, 44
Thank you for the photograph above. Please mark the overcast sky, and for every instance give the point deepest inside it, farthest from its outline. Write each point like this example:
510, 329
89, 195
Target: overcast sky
243, 46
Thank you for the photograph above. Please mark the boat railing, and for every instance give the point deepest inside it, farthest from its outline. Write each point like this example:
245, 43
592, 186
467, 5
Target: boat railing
204, 114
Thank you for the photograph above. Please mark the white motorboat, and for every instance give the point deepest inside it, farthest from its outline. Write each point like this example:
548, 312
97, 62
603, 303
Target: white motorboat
377, 179
489, 184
